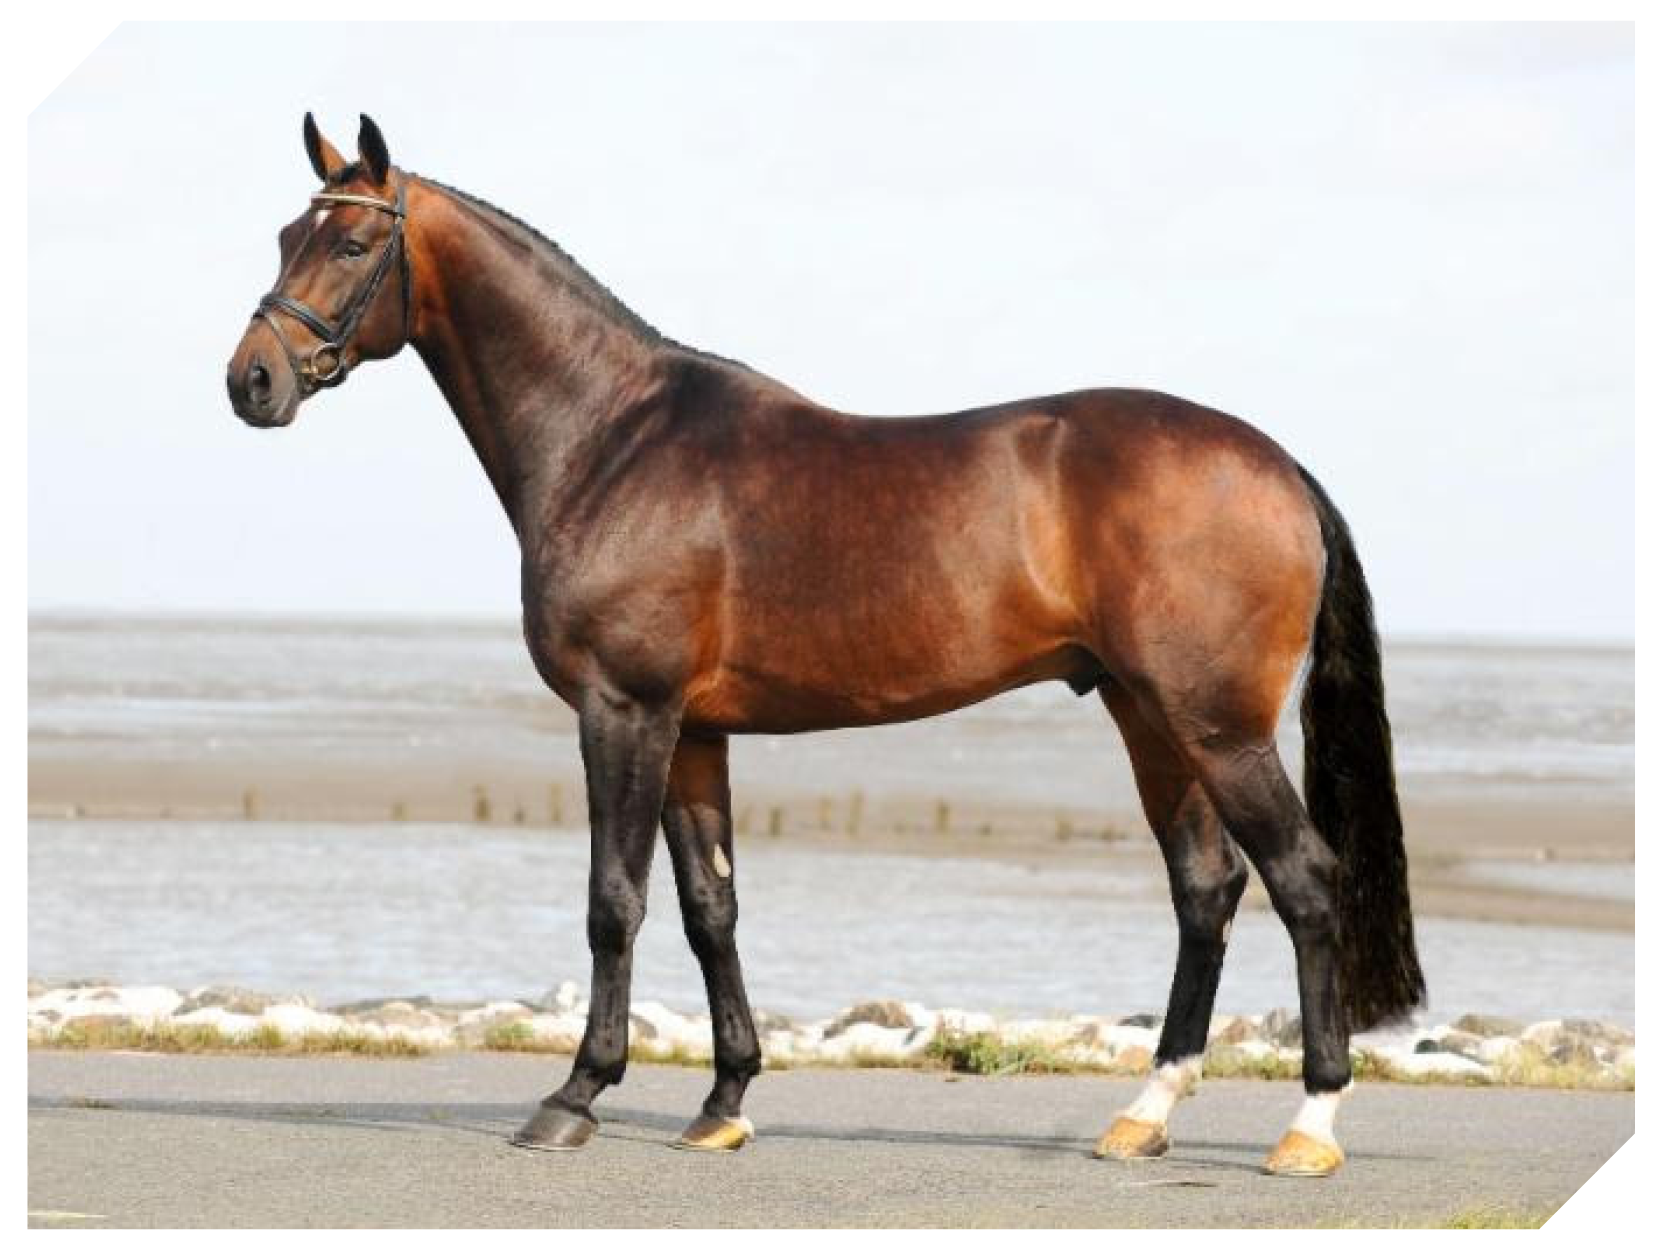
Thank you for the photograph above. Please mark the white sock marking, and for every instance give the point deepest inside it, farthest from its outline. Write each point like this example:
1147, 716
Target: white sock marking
1170, 1082
1316, 1115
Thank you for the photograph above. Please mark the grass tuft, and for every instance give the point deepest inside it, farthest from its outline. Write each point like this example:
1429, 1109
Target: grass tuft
1231, 1063
1495, 1217
201, 1039
986, 1054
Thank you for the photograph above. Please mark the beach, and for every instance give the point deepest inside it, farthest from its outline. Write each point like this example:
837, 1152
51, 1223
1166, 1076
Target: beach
336, 757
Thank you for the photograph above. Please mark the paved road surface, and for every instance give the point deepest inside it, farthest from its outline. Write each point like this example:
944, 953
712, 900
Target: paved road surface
129, 1139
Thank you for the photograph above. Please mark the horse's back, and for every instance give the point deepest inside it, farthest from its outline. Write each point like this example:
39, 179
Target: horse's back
876, 568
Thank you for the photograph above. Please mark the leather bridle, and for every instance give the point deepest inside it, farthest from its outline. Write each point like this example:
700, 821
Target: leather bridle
325, 364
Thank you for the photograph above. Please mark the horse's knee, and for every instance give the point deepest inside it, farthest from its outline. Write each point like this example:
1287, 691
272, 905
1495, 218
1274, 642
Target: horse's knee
1302, 886
616, 910
1206, 902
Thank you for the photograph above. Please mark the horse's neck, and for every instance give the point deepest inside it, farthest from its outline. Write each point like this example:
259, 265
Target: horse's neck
534, 366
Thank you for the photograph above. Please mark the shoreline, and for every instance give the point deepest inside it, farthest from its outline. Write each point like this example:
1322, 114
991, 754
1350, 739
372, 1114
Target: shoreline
1451, 840
1469, 1049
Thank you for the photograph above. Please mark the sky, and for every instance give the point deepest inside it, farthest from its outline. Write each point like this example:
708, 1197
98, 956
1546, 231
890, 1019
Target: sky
1406, 252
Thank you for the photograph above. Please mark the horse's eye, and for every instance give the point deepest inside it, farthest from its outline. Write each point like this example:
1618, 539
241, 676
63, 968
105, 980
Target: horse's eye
349, 249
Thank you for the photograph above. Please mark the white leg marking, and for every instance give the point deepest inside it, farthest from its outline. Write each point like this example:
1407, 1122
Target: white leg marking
1316, 1115
1170, 1082
724, 869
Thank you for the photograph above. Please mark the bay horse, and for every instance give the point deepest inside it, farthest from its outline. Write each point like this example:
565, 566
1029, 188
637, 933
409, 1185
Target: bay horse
705, 552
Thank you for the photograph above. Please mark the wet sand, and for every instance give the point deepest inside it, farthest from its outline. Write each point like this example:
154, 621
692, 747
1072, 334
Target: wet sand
1448, 835
1515, 763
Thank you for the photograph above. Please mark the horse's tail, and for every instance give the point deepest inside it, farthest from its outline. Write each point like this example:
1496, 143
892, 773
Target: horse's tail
1351, 790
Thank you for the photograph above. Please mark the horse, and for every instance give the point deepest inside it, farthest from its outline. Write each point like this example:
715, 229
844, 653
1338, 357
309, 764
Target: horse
706, 552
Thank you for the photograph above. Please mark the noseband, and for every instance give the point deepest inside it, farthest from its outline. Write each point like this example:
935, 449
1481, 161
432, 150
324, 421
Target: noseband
325, 364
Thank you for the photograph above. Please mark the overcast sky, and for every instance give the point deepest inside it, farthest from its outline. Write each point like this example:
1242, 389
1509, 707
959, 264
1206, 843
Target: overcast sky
1406, 252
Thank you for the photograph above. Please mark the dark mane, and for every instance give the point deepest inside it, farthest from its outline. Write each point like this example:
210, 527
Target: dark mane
581, 280
589, 286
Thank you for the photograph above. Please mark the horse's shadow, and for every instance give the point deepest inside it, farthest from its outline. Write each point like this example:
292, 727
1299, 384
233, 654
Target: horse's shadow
633, 1126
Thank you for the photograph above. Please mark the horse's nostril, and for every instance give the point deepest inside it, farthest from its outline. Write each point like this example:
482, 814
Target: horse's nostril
259, 381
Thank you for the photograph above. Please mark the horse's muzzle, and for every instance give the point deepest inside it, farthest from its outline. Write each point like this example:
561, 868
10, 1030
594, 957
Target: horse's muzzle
261, 393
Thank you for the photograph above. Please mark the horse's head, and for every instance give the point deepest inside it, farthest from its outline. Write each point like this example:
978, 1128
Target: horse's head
343, 287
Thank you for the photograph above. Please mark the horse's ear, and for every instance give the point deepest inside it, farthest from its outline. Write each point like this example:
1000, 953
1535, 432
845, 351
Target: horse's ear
372, 149
325, 159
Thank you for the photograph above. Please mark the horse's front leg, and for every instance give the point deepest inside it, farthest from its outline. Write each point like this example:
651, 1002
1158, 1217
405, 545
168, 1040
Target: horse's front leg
699, 830
626, 758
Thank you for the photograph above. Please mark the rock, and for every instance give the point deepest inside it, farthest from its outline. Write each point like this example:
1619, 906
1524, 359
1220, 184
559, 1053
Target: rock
668, 1030
140, 1004
1135, 1060
1457, 1042
99, 1021
369, 1006
1437, 1064
1282, 1028
1497, 1050
1574, 1051
399, 1015
1577, 1038
1597, 1032
1233, 1030
780, 1046
230, 998
1040, 1032
230, 1023
297, 1020
562, 1031
886, 1013
1544, 1033
476, 1024
769, 1021
1114, 1039
1249, 1053
1142, 1020
866, 1039
567, 996
1488, 1026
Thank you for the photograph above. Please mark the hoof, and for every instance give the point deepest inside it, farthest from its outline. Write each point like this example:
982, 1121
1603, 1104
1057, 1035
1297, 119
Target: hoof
715, 1132
1129, 1139
1299, 1155
555, 1128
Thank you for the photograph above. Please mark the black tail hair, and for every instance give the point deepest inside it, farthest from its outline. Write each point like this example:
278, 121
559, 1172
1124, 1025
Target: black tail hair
1351, 788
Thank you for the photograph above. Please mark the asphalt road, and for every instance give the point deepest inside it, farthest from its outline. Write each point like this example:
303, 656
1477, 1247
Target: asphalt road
131, 1139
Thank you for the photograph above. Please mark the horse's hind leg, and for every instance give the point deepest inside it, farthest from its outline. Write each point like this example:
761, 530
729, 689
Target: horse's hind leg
1206, 874
699, 830
1244, 777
